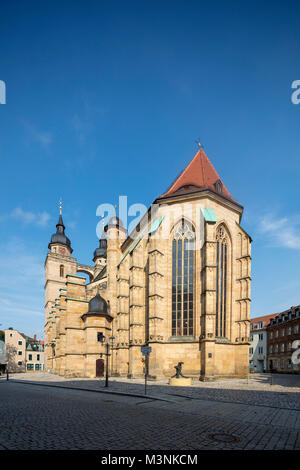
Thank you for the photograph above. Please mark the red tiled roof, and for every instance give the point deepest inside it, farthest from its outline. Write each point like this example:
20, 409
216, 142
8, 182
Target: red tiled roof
266, 319
199, 174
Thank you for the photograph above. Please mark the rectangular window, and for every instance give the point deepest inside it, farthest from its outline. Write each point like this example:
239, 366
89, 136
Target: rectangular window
37, 367
30, 366
30, 357
20, 343
37, 357
19, 353
100, 337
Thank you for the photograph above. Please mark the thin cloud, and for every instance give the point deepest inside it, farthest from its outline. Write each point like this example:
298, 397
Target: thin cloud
21, 286
44, 138
40, 218
85, 121
82, 126
283, 232
72, 224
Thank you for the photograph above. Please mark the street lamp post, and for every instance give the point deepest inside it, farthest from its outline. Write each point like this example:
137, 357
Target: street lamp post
106, 374
102, 339
112, 338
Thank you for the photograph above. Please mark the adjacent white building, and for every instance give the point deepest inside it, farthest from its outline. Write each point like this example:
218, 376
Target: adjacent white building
3, 360
23, 353
258, 343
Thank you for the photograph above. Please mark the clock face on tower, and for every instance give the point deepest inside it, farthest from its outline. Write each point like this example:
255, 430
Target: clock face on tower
62, 251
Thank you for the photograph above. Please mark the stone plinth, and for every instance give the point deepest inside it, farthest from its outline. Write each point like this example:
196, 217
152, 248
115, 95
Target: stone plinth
180, 382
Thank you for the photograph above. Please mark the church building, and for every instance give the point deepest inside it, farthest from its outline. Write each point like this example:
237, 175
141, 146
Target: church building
179, 284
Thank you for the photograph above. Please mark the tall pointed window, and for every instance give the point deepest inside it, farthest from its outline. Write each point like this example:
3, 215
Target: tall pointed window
222, 253
183, 267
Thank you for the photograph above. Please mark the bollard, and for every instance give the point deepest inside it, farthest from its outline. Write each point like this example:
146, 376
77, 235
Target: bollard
7, 375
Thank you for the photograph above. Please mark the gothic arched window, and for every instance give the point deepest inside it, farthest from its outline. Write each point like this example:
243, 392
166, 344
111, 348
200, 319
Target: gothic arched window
183, 261
222, 247
61, 270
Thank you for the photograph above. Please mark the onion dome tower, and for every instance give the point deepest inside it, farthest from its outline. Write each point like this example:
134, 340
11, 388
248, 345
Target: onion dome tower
114, 223
97, 305
59, 241
100, 252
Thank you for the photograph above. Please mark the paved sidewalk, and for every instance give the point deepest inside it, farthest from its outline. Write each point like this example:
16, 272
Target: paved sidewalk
257, 390
38, 417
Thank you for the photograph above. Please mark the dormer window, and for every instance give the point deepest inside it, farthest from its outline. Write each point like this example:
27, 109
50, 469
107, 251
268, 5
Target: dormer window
219, 186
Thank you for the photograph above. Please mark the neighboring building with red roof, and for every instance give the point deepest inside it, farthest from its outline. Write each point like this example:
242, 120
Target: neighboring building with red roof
283, 341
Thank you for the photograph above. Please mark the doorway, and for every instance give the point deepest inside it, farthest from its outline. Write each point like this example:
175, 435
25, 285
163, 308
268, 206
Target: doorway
100, 368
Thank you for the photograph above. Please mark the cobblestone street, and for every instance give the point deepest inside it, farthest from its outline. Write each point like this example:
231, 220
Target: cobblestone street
218, 415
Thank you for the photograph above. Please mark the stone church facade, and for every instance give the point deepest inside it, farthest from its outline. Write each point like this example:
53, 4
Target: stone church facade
180, 284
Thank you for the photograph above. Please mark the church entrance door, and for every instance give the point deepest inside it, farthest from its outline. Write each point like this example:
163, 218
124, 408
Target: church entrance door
99, 368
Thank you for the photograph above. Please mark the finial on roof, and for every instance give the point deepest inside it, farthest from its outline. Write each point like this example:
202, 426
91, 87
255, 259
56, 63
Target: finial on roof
60, 205
200, 146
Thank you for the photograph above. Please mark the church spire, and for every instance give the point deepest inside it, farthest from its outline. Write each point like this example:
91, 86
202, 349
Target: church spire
60, 237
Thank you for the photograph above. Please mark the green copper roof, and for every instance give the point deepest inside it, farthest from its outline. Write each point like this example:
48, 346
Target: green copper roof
136, 244
209, 215
155, 224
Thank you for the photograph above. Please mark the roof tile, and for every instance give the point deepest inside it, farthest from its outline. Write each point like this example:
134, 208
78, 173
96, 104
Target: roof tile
199, 173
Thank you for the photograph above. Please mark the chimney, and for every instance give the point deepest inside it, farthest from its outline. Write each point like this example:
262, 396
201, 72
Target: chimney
34, 337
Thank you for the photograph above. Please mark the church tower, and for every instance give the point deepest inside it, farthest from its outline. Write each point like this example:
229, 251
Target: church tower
58, 265
100, 254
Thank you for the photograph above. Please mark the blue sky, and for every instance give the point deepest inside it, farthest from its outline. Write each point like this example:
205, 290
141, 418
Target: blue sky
107, 98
